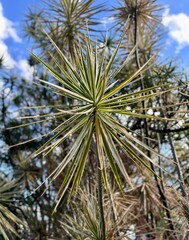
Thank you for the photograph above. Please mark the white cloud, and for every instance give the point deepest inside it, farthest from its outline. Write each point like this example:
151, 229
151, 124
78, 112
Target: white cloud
26, 70
178, 25
7, 30
107, 20
8, 61
1, 85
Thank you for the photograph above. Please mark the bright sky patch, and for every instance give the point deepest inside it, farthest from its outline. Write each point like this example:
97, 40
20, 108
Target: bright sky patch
178, 27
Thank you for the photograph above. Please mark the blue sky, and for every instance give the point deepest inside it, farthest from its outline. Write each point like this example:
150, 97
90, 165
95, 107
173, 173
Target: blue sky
15, 47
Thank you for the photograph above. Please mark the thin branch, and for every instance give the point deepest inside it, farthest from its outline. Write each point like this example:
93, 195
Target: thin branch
168, 130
